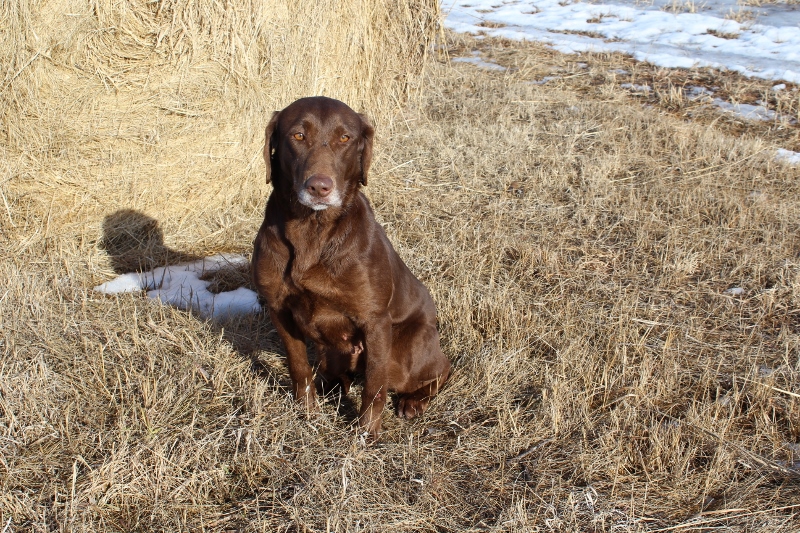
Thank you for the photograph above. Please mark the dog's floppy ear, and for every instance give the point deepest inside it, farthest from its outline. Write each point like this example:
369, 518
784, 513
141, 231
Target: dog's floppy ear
270, 144
368, 133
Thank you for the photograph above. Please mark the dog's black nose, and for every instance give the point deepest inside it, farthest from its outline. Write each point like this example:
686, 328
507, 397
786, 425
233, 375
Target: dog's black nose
319, 185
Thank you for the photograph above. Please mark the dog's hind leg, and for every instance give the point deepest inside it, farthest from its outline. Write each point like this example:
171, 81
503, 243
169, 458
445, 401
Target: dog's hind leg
427, 371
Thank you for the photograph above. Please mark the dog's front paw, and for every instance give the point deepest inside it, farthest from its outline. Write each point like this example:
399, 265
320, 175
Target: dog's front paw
369, 434
409, 407
369, 422
307, 398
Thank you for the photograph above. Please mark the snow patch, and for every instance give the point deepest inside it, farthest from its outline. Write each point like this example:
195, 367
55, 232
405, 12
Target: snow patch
788, 157
636, 88
181, 286
769, 49
476, 60
746, 111
544, 80
698, 92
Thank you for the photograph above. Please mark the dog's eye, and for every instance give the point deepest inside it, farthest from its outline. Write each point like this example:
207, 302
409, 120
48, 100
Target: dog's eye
299, 136
344, 138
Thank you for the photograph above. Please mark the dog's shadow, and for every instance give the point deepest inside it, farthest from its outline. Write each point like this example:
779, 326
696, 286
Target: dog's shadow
134, 242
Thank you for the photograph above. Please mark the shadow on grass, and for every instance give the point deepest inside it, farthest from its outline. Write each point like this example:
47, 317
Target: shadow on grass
134, 242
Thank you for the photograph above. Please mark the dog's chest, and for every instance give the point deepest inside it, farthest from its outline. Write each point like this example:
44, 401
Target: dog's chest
286, 269
307, 274
320, 301
321, 320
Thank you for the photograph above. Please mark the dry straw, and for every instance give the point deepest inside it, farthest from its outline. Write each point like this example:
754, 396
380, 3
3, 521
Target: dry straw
578, 246
93, 90
366, 52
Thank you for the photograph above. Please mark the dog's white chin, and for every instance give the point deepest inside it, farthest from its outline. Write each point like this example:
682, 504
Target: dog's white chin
307, 200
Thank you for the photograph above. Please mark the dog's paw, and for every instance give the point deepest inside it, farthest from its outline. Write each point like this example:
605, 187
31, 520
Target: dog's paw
369, 440
409, 407
306, 397
369, 422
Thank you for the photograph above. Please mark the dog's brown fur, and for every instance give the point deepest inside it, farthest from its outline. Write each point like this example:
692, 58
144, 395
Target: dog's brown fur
329, 273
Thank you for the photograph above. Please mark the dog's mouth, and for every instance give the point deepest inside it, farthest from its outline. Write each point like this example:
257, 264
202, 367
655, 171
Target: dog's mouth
319, 203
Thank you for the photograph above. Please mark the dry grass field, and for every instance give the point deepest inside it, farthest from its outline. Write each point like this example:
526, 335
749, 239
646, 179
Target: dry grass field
578, 239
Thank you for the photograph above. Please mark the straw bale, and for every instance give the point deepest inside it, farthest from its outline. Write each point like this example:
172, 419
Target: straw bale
145, 105
366, 52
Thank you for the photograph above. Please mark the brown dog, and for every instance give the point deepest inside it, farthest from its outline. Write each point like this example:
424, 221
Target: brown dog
329, 274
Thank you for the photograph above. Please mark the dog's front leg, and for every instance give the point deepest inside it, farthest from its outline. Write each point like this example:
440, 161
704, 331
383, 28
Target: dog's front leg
299, 369
378, 338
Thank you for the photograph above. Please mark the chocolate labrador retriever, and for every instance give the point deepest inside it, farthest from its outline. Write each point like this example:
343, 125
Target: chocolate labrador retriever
329, 274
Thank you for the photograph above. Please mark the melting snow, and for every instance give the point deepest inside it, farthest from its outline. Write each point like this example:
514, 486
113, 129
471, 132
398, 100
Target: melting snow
637, 88
703, 35
181, 286
788, 157
768, 47
476, 60
748, 111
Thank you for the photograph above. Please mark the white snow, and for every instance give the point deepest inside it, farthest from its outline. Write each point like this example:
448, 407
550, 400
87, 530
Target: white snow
544, 80
666, 33
476, 60
699, 92
766, 47
636, 88
788, 157
748, 111
181, 286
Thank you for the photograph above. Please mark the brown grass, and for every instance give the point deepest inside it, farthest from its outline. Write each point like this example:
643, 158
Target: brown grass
723, 34
683, 6
578, 245
742, 15
600, 76
759, 3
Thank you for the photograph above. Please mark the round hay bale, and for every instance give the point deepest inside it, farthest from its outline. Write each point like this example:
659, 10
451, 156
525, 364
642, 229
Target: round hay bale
368, 53
160, 107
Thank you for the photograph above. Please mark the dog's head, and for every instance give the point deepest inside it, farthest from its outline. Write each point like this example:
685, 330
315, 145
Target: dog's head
318, 151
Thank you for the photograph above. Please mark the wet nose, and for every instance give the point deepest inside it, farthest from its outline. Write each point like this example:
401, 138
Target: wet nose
319, 185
